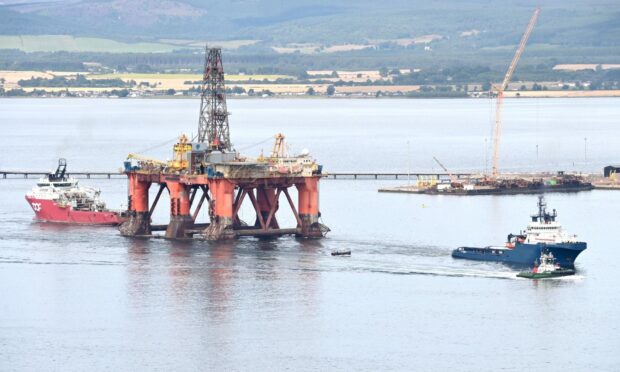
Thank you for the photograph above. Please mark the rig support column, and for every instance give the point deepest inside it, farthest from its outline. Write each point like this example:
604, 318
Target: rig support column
309, 208
180, 218
266, 199
139, 222
221, 226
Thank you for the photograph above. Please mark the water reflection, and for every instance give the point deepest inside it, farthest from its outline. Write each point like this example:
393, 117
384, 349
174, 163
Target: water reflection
180, 270
220, 275
139, 271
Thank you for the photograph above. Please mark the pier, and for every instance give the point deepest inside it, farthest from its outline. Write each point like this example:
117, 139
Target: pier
84, 174
7, 174
390, 175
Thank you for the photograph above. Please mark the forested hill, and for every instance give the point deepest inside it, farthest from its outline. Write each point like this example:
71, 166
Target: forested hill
483, 22
287, 36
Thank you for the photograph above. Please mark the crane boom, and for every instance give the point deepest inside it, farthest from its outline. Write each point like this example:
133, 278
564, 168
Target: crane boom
500, 90
444, 168
146, 159
515, 59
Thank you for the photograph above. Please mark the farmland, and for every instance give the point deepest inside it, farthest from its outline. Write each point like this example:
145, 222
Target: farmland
68, 43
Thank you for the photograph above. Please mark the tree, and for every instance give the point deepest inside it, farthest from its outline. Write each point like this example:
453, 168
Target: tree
383, 71
171, 92
486, 87
310, 91
331, 90
237, 90
335, 74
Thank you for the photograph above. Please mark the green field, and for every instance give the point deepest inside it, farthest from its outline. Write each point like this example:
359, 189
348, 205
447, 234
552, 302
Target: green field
54, 43
67, 43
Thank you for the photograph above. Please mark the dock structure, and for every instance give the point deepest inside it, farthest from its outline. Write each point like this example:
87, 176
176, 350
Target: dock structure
391, 175
207, 169
6, 174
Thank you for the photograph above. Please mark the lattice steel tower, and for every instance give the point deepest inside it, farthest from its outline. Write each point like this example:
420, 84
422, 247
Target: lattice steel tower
213, 122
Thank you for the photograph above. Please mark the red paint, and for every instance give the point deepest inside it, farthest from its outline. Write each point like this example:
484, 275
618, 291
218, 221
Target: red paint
179, 198
48, 211
138, 194
308, 192
223, 196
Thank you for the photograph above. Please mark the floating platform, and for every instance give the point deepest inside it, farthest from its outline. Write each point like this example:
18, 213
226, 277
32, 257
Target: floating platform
486, 190
508, 185
209, 166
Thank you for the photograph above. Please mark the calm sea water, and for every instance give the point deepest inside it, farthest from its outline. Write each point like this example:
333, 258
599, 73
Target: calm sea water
84, 298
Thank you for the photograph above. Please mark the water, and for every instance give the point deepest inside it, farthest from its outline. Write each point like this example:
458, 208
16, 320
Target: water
84, 298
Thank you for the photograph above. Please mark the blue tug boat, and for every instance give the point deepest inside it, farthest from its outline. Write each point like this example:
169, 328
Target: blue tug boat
543, 234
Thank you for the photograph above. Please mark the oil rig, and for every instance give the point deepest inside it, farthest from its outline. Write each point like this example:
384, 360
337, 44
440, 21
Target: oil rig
207, 165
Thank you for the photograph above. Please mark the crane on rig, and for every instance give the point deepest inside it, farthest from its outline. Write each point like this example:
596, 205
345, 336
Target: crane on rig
500, 91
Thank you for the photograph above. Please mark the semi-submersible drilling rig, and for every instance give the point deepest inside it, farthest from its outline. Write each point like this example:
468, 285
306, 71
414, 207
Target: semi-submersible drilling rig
208, 166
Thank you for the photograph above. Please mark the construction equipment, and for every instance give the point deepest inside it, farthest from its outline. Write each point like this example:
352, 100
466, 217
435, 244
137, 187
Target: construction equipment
181, 149
500, 91
279, 147
452, 178
147, 160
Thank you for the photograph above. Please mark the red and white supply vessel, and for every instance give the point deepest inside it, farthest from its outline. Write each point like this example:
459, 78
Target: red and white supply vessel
58, 198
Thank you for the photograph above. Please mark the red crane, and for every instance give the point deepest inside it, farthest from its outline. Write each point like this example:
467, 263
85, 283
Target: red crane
500, 91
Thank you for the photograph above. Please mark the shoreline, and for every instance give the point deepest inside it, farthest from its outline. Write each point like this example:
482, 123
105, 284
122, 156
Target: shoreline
507, 95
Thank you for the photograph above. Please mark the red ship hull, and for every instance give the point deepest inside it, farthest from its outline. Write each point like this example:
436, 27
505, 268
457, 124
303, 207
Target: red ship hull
48, 211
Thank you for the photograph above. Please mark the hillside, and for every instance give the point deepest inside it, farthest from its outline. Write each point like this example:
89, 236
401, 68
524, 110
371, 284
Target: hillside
570, 22
275, 36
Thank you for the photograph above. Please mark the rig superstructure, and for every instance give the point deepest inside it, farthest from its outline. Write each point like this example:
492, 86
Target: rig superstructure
208, 165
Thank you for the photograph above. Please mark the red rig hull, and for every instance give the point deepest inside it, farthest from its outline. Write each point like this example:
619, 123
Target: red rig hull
47, 210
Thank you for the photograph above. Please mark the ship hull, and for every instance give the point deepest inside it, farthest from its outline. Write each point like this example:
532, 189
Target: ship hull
513, 190
545, 275
523, 254
47, 210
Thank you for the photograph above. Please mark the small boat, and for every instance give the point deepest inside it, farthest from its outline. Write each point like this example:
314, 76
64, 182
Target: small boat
547, 268
341, 252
